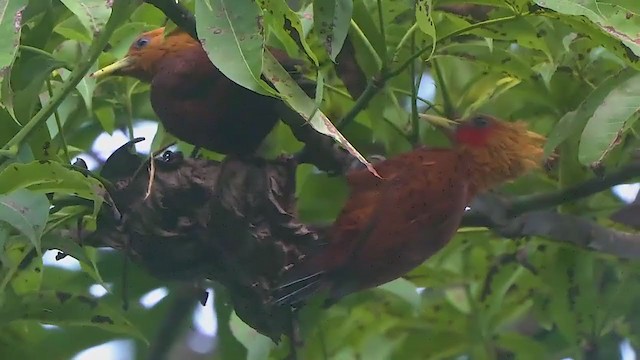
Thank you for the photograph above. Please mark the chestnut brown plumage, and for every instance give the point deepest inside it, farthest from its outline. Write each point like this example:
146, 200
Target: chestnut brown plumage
193, 99
392, 224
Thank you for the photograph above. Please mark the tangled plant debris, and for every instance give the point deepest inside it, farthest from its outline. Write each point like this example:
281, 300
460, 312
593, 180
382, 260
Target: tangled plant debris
233, 222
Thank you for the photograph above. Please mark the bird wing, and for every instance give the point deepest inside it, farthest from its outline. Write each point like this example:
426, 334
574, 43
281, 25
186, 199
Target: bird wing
421, 211
382, 215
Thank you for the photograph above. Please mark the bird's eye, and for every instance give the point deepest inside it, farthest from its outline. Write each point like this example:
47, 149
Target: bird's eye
142, 42
480, 121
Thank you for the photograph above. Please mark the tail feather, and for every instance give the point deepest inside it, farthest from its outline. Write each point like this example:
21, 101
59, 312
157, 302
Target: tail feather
299, 280
300, 288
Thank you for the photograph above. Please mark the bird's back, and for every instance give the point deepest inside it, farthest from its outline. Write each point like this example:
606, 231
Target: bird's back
196, 102
391, 225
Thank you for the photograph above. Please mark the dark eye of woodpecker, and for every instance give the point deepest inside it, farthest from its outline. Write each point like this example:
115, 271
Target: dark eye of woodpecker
142, 42
480, 121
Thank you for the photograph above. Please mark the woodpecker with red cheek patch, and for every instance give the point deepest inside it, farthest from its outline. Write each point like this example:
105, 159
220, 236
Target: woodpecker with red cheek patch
392, 224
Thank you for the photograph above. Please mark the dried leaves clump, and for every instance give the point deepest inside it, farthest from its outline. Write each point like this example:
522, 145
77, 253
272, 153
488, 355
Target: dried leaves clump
233, 222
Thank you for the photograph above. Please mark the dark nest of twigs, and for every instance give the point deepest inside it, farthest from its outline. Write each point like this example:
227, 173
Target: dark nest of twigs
233, 222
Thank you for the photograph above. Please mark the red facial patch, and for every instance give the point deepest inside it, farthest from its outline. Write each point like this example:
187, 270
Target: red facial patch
472, 136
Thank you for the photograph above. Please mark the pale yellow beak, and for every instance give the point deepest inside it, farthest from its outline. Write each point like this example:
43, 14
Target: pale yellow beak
439, 121
122, 64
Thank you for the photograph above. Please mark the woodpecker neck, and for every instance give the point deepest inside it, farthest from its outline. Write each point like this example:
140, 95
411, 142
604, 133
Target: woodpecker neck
508, 153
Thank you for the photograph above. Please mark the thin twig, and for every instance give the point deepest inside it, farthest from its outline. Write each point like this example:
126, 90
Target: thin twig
415, 120
56, 115
447, 102
430, 104
385, 56
587, 188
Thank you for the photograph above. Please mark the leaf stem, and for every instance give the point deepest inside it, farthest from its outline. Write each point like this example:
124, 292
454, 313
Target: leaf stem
385, 57
415, 120
56, 115
129, 109
372, 51
406, 37
428, 102
40, 52
447, 103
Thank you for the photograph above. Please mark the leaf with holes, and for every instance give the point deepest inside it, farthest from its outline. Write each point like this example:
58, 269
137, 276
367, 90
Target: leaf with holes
93, 14
66, 309
10, 25
85, 255
607, 18
332, 19
23, 268
282, 20
492, 60
306, 107
232, 34
27, 212
425, 21
49, 176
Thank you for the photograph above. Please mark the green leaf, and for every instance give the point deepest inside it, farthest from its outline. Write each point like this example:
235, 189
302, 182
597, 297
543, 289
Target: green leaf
425, 21
612, 116
281, 18
492, 60
27, 212
523, 347
380, 347
10, 27
608, 17
405, 290
27, 78
93, 14
232, 35
258, 346
574, 122
64, 308
306, 107
85, 88
106, 117
332, 18
49, 176
24, 268
458, 297
484, 89
230, 347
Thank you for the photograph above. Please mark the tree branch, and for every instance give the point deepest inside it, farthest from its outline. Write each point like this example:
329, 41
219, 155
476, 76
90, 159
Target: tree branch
178, 14
561, 228
523, 216
526, 203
